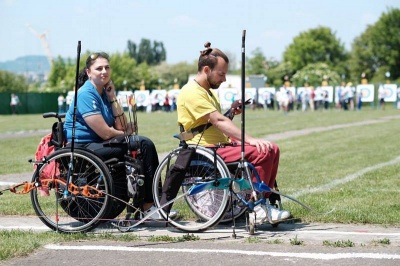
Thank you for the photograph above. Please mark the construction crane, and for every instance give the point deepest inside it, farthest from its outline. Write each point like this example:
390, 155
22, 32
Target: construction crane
44, 42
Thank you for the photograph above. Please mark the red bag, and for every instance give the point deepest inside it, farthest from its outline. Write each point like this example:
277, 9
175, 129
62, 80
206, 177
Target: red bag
45, 148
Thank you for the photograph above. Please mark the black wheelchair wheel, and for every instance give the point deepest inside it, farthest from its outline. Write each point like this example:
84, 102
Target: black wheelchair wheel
64, 211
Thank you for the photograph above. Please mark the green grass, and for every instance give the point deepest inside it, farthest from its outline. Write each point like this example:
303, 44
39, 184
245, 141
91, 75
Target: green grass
253, 239
276, 241
15, 154
12, 204
166, 238
308, 161
381, 242
161, 126
339, 244
17, 243
322, 158
296, 242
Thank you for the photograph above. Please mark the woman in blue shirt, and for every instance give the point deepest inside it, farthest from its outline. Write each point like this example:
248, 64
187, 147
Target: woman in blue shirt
101, 120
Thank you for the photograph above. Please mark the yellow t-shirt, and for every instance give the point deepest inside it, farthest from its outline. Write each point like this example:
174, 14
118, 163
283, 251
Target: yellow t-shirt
193, 104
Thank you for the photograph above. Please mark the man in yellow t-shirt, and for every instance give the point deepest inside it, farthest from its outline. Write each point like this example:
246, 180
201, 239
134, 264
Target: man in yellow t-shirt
198, 104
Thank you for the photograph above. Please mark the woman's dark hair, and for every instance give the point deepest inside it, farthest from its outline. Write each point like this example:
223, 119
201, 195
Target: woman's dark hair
208, 57
82, 76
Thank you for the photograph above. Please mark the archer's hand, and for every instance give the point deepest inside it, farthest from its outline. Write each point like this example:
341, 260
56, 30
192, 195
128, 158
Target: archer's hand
110, 90
236, 107
263, 146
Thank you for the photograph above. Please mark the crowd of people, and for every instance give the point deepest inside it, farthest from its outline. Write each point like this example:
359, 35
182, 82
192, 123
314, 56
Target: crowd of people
167, 103
285, 99
312, 99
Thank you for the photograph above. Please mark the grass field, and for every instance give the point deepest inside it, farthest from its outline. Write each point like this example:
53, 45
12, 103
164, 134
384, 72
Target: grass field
354, 170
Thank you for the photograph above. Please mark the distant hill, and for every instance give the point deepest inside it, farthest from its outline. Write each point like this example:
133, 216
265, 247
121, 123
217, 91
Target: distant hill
37, 64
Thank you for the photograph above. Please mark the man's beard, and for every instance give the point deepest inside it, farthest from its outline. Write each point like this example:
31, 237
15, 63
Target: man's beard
212, 84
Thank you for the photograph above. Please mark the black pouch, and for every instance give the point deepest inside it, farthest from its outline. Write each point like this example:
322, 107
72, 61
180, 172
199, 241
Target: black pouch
57, 135
117, 141
132, 141
175, 177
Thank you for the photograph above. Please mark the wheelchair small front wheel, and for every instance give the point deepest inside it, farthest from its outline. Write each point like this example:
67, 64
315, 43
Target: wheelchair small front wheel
250, 222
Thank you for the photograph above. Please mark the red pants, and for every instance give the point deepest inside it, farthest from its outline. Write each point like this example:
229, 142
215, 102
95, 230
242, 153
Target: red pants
265, 163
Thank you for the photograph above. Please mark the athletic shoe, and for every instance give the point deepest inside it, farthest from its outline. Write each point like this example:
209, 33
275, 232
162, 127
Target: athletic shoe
276, 214
156, 215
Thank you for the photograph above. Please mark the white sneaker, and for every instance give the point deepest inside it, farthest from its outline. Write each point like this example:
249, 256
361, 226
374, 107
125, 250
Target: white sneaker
156, 215
276, 214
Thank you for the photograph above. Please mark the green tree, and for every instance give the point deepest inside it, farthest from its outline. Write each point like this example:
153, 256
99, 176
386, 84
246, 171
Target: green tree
257, 64
314, 74
123, 71
159, 52
179, 72
132, 49
377, 49
315, 46
62, 74
277, 71
147, 52
68, 82
57, 73
10, 82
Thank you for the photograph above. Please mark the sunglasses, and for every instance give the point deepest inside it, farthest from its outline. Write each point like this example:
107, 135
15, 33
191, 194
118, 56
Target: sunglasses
97, 55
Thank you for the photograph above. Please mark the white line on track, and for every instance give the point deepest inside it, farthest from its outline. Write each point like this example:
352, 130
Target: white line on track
304, 255
326, 232
346, 179
7, 183
24, 227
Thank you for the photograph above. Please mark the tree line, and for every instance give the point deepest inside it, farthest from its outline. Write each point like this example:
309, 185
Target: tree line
314, 55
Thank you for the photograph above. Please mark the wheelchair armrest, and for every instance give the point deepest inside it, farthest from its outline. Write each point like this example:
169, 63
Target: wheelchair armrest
112, 160
55, 115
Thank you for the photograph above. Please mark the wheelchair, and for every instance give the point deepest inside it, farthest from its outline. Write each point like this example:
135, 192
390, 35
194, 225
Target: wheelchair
75, 192
201, 211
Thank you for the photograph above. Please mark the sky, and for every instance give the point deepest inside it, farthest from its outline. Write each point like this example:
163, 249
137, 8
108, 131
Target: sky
182, 25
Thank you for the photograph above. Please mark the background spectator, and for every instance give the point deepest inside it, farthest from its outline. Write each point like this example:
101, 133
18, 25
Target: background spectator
14, 103
60, 101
